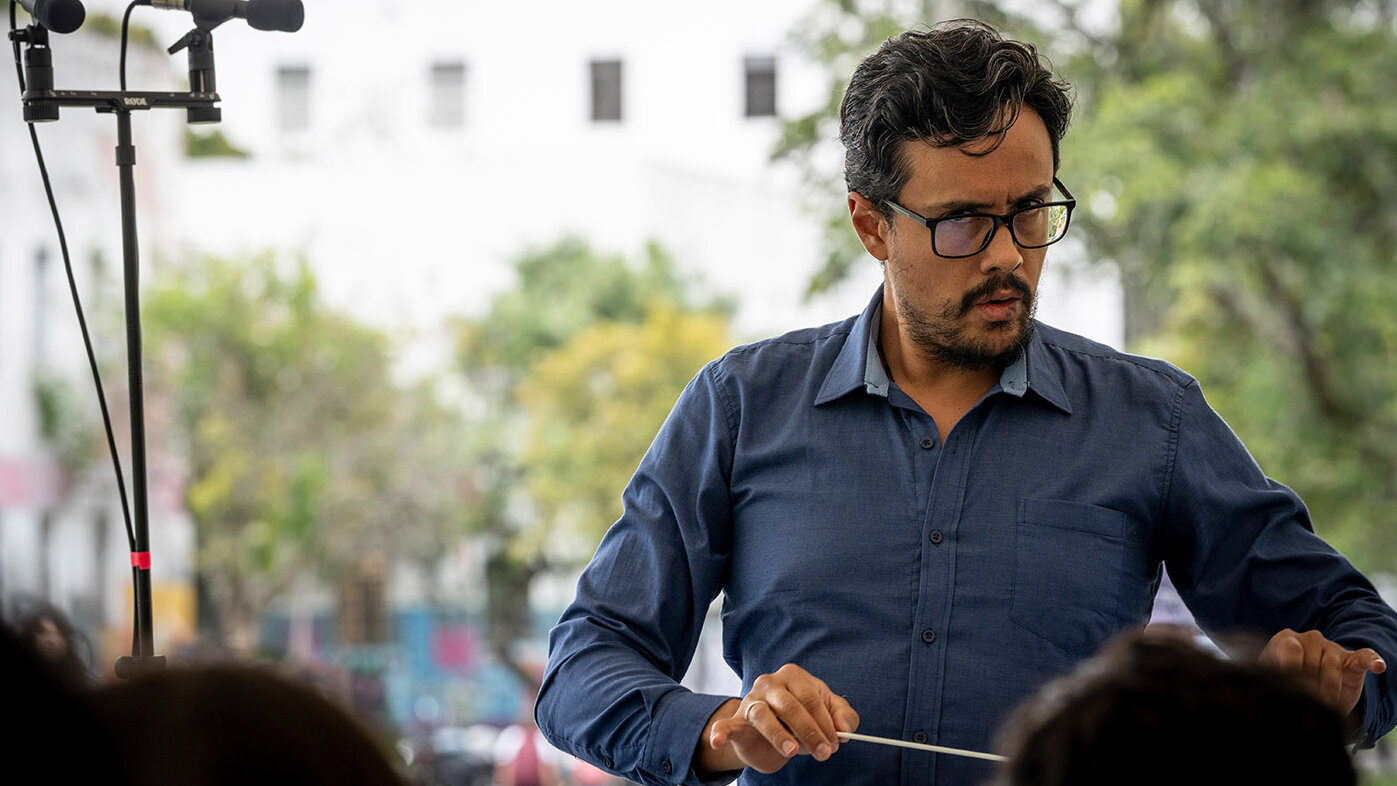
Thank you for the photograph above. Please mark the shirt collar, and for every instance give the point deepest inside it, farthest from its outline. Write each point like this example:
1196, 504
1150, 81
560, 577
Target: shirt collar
859, 365
1041, 373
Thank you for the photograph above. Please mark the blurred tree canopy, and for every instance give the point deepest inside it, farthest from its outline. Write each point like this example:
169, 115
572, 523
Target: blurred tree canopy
305, 456
594, 405
575, 367
1240, 166
1237, 162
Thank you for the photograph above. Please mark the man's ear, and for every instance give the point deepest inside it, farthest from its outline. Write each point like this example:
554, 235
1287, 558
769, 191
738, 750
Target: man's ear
872, 227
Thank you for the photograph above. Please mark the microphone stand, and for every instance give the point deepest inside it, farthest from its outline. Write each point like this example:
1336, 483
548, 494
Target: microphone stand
41, 104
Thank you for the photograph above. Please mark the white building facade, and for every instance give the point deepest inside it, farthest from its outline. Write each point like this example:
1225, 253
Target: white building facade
410, 150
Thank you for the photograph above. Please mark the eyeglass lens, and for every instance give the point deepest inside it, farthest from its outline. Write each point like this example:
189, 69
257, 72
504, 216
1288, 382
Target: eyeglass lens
1031, 228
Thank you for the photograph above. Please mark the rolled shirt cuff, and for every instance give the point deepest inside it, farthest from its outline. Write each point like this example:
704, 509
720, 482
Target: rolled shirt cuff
674, 735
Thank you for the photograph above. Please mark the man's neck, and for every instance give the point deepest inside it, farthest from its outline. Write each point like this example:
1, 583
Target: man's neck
945, 390
912, 368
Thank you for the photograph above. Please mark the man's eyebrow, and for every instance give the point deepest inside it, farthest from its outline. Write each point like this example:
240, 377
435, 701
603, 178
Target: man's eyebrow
942, 208
1039, 193
955, 206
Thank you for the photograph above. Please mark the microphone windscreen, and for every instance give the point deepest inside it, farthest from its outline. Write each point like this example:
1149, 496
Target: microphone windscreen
286, 16
60, 16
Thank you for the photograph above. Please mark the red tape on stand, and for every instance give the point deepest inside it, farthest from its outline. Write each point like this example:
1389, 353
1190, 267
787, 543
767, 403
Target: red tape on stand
140, 559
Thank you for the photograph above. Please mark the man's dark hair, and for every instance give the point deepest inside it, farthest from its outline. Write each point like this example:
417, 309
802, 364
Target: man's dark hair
958, 82
1155, 711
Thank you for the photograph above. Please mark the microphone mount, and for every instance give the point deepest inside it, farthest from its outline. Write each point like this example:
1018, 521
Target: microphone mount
38, 67
199, 42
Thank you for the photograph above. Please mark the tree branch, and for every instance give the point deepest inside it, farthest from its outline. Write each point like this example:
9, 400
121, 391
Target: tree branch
1319, 370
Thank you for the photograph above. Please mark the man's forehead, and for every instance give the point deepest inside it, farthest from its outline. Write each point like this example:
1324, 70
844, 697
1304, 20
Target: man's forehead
1005, 119
1017, 165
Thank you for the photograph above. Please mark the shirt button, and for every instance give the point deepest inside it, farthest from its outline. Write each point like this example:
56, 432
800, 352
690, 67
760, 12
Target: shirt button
606, 760
937, 537
667, 767
919, 737
928, 443
928, 635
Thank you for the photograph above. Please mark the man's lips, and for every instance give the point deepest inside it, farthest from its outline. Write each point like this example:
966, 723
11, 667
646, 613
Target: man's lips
999, 307
998, 297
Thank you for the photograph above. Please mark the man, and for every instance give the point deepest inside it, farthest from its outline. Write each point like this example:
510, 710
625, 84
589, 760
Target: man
919, 515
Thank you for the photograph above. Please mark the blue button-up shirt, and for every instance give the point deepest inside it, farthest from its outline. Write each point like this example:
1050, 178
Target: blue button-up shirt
934, 585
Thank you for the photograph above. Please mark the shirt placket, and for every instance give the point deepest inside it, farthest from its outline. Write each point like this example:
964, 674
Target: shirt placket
946, 466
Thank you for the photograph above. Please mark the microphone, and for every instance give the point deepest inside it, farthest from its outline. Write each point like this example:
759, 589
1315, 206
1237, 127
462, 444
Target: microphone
279, 15
59, 16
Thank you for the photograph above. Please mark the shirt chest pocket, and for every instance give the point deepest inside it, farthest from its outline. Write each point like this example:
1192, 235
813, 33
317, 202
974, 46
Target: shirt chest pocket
1070, 566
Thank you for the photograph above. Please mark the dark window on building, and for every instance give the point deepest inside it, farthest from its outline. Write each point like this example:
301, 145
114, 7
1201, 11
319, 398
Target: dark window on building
293, 98
448, 97
606, 91
760, 76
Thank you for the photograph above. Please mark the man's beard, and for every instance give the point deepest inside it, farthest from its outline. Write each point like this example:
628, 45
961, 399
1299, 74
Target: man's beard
943, 338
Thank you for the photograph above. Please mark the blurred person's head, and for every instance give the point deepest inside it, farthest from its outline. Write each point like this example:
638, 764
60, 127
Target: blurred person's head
1156, 709
956, 84
235, 724
51, 635
52, 727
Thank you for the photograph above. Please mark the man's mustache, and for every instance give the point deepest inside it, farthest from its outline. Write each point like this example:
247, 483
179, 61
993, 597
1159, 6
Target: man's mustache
994, 286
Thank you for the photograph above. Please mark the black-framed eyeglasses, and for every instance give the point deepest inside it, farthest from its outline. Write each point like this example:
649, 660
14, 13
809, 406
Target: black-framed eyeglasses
967, 234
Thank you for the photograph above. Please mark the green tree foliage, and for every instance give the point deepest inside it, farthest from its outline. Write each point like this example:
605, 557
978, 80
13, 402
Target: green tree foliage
575, 367
67, 428
1239, 164
1237, 161
564, 295
304, 456
594, 405
212, 144
559, 291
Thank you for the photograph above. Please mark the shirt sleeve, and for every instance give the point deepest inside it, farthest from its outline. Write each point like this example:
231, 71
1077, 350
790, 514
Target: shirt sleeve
1244, 556
611, 694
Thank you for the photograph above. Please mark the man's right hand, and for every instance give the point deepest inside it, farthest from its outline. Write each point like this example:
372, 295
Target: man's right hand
788, 713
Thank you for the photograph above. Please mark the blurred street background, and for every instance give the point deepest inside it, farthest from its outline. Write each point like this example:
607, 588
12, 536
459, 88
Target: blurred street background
415, 307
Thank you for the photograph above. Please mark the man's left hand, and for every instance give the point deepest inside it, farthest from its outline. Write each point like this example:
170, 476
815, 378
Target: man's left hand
1333, 671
